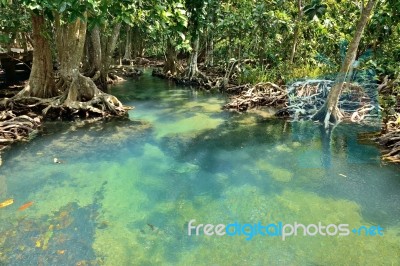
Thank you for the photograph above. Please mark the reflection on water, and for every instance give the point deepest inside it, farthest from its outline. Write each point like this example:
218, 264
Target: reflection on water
126, 190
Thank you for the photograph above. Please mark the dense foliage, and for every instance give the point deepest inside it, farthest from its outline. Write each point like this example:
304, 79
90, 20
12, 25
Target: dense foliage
265, 31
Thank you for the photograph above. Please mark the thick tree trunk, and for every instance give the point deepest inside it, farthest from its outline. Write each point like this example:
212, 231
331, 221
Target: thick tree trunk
70, 39
296, 31
171, 58
41, 81
128, 45
80, 92
329, 112
193, 68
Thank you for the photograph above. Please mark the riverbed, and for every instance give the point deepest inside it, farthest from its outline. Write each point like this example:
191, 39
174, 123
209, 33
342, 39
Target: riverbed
125, 191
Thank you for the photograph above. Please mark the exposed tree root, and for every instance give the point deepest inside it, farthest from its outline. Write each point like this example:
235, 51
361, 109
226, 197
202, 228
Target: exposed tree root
325, 115
21, 115
203, 80
261, 94
16, 127
124, 71
83, 98
391, 141
306, 99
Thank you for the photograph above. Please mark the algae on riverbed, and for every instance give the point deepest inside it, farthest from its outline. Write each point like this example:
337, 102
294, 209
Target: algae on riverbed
125, 194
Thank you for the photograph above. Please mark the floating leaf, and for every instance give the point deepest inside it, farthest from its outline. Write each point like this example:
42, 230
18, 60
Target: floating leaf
6, 203
25, 206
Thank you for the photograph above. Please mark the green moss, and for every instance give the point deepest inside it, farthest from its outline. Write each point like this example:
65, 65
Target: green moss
195, 123
278, 174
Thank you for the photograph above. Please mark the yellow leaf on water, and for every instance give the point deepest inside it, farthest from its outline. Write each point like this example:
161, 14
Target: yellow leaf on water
60, 252
6, 203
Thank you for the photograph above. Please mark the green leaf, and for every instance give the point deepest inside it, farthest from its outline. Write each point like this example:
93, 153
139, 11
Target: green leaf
3, 2
181, 35
62, 7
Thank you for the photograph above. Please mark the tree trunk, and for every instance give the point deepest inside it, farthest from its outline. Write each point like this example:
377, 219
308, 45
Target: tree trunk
210, 51
86, 60
135, 41
212, 11
80, 92
41, 81
171, 58
329, 112
93, 54
108, 44
128, 45
139, 42
296, 31
70, 40
193, 68
78, 95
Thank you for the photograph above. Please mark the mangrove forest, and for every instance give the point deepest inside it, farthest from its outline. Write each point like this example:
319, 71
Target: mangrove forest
189, 132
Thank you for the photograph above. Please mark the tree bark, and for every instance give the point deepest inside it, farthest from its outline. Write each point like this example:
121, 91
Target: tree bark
297, 30
77, 95
171, 58
193, 68
70, 40
108, 44
100, 52
128, 45
213, 7
80, 93
329, 112
210, 51
86, 60
93, 51
139, 42
136, 41
41, 81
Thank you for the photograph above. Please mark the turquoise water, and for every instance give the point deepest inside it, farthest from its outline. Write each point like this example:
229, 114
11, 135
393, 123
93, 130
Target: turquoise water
126, 190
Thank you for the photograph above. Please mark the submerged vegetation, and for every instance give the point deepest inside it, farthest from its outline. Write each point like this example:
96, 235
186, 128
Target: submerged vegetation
118, 186
108, 204
230, 45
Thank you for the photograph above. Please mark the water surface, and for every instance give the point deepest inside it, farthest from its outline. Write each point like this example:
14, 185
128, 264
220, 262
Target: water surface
126, 190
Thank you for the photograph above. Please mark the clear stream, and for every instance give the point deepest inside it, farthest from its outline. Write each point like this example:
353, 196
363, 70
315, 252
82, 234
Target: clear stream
126, 190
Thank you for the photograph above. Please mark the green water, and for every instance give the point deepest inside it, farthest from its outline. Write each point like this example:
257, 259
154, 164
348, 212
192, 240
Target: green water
126, 190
